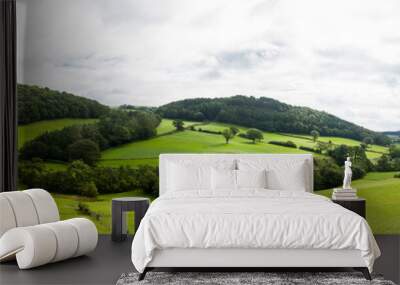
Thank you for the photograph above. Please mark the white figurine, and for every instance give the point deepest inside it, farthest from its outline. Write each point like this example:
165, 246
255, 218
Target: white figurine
347, 174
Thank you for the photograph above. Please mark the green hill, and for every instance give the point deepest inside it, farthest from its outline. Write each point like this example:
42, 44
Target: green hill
147, 151
38, 104
30, 131
268, 115
397, 134
373, 151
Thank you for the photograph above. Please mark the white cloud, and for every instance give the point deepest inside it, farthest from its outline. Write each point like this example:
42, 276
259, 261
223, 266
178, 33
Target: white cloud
342, 57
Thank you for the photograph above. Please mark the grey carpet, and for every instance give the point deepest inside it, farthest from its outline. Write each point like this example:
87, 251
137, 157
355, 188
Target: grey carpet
269, 278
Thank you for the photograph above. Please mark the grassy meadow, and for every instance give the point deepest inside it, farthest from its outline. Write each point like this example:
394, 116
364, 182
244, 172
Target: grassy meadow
185, 142
147, 152
167, 127
381, 190
30, 131
168, 141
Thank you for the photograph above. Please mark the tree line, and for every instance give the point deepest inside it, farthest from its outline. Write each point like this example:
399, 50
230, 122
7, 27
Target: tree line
268, 115
82, 179
36, 104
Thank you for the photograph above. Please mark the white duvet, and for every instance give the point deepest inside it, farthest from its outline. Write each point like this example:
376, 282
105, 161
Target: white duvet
250, 219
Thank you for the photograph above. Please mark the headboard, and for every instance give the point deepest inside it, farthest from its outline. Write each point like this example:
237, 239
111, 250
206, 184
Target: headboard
209, 158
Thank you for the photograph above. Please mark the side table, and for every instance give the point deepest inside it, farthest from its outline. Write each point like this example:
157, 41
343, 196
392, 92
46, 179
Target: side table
118, 211
356, 205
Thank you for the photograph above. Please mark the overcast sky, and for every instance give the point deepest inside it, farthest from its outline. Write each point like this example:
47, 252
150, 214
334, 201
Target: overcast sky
342, 57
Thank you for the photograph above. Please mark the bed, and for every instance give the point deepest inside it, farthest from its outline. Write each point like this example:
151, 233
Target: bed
245, 211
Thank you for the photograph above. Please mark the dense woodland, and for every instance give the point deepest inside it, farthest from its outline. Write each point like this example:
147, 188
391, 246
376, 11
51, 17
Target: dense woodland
268, 115
37, 104
82, 179
84, 142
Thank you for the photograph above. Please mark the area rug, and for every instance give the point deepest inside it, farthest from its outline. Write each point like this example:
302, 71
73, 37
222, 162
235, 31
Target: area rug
269, 278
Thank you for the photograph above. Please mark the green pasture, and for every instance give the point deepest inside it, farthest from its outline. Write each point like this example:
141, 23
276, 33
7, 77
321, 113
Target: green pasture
55, 166
166, 126
220, 127
382, 192
30, 131
185, 142
267, 135
147, 152
375, 151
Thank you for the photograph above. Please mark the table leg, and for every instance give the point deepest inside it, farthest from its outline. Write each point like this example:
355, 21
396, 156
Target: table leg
140, 211
117, 222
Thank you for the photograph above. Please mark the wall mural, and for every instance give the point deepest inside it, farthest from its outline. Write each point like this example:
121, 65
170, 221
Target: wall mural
106, 86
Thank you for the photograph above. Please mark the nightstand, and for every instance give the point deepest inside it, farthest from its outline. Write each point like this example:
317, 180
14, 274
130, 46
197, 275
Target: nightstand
119, 208
356, 205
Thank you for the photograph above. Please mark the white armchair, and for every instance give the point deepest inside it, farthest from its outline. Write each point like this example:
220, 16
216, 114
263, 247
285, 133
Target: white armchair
31, 230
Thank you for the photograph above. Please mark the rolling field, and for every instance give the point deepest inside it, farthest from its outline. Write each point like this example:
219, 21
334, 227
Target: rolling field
184, 142
382, 193
267, 135
147, 152
373, 151
303, 140
30, 131
166, 126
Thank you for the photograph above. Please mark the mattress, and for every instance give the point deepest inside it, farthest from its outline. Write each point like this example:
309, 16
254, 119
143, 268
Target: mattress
251, 219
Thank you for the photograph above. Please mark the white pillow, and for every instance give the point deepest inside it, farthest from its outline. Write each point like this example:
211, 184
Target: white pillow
188, 177
282, 174
251, 178
223, 179
293, 180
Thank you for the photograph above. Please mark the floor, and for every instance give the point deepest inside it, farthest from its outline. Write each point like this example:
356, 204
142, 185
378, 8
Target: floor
110, 260
104, 266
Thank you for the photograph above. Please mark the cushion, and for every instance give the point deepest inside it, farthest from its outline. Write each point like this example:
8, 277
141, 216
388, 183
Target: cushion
32, 246
293, 180
188, 177
223, 179
67, 240
7, 218
87, 235
251, 178
282, 174
46, 207
23, 208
